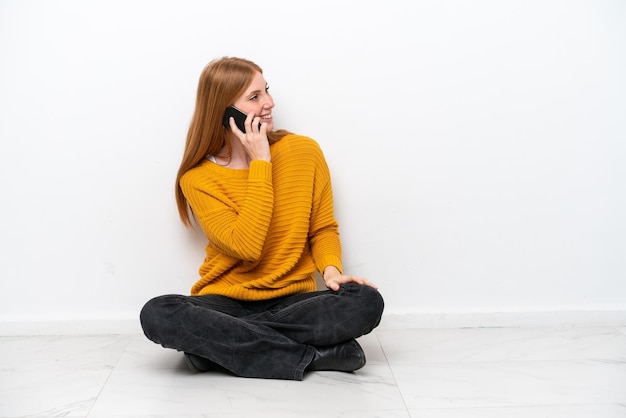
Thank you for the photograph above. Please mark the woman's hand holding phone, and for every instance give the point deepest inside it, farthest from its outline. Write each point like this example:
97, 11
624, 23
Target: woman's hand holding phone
254, 135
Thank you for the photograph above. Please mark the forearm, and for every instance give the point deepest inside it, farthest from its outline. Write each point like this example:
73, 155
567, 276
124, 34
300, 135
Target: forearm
236, 224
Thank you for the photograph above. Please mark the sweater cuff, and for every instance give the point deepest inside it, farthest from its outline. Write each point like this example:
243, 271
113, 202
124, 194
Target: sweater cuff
329, 260
260, 169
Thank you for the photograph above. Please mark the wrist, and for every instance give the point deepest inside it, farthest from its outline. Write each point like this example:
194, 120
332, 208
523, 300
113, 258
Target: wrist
330, 272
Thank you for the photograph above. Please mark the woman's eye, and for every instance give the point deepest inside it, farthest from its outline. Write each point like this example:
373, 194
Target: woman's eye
267, 88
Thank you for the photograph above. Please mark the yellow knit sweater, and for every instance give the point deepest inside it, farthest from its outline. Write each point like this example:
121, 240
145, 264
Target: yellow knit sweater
269, 227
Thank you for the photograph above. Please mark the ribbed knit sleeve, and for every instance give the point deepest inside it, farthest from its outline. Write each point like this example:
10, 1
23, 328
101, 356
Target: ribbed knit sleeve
324, 233
237, 228
324, 230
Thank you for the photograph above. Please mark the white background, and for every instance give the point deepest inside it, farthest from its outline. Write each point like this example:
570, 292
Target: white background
478, 148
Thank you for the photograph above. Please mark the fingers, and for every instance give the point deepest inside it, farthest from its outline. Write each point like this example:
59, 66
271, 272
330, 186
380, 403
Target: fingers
248, 122
362, 281
252, 124
254, 139
333, 285
234, 127
336, 282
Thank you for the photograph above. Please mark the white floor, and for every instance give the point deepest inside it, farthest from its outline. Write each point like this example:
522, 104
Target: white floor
484, 372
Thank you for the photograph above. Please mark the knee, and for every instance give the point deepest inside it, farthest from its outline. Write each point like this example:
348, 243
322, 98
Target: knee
369, 301
154, 313
374, 302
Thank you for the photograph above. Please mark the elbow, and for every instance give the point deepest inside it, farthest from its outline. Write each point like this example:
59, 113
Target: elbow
247, 251
252, 257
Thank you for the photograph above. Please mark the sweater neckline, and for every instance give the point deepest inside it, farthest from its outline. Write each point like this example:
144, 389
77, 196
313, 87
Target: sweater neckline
229, 172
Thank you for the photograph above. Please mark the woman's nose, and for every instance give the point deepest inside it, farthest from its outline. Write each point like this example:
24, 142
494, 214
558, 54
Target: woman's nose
269, 102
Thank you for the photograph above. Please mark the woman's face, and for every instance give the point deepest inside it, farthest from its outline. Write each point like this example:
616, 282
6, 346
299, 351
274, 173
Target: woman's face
258, 100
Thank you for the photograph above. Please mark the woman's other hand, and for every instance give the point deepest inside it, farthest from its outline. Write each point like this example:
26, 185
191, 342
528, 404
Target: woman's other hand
333, 279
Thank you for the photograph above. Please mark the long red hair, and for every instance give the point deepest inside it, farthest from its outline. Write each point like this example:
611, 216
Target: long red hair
222, 81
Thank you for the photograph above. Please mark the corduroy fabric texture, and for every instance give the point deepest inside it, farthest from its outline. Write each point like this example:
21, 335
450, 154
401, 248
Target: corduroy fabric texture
268, 227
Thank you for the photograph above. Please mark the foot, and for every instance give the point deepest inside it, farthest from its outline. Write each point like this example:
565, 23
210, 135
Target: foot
198, 364
344, 357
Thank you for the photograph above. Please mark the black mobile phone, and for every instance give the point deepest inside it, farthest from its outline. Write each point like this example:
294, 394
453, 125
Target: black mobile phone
238, 115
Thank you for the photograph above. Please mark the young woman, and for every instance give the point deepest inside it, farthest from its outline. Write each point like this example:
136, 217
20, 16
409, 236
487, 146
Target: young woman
263, 198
